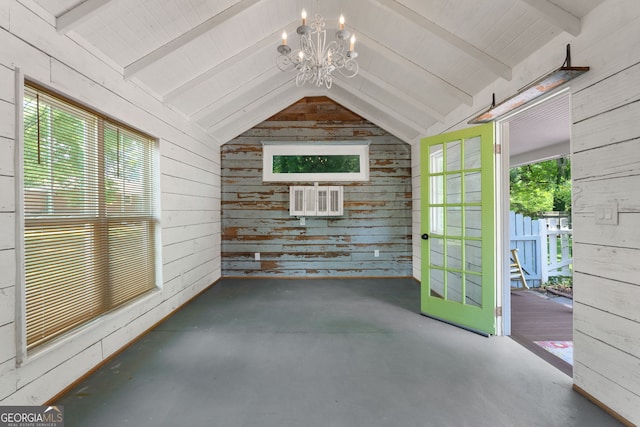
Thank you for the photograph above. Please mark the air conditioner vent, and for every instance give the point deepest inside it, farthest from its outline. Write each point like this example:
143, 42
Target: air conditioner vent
316, 200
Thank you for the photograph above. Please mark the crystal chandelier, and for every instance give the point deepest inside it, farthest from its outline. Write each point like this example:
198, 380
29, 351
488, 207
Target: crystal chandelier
316, 60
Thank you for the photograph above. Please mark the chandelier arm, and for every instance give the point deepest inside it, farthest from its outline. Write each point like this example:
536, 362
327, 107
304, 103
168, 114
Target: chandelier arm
350, 68
316, 60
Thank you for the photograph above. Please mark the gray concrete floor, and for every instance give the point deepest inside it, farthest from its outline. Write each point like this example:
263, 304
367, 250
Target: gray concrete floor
324, 353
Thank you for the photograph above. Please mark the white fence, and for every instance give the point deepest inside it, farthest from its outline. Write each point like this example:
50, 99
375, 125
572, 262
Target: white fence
544, 247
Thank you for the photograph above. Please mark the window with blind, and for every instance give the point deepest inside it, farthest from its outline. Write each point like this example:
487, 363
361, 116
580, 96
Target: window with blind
89, 215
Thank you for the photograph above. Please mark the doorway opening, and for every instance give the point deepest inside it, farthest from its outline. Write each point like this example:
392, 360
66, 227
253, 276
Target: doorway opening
539, 231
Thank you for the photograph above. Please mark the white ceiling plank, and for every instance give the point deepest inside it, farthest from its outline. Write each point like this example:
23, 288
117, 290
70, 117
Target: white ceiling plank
258, 110
393, 57
267, 42
175, 44
368, 114
380, 106
210, 114
491, 63
556, 15
79, 14
407, 98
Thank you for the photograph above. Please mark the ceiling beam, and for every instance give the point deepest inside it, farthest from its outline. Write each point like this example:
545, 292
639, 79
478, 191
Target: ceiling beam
175, 44
270, 41
556, 15
390, 55
498, 68
79, 14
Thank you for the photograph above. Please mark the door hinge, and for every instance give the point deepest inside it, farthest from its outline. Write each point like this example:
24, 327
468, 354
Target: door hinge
497, 148
498, 311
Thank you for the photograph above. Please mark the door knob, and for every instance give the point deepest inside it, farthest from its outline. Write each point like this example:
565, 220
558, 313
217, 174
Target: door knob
425, 236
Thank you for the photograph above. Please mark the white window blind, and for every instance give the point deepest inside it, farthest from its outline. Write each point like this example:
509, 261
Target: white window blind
89, 210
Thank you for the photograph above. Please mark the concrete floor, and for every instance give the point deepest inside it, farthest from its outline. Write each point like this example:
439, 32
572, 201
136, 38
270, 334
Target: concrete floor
324, 353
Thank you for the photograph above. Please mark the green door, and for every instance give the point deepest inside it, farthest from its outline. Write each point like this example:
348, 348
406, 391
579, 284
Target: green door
457, 217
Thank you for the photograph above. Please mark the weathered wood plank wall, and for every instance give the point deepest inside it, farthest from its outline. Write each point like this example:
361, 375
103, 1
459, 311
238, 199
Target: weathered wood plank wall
255, 215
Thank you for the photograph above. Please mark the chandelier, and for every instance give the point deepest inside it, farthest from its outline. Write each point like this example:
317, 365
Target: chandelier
316, 60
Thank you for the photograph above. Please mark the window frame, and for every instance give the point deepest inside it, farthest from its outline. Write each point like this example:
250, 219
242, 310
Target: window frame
151, 218
306, 148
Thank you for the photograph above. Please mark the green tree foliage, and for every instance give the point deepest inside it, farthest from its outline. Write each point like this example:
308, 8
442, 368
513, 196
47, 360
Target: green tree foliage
541, 187
316, 164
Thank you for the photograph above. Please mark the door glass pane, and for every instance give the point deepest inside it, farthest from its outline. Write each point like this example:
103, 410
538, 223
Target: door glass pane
453, 156
454, 188
473, 256
472, 153
472, 187
454, 286
436, 154
436, 282
472, 221
436, 190
454, 221
473, 289
436, 252
436, 220
454, 254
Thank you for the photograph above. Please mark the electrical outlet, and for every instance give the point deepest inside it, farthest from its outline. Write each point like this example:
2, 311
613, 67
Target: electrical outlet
376, 253
302, 221
257, 256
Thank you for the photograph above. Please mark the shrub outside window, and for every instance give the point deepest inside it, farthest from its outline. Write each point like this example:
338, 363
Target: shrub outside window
325, 161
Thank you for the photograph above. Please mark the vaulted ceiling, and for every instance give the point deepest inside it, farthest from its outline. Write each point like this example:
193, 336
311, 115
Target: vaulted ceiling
214, 61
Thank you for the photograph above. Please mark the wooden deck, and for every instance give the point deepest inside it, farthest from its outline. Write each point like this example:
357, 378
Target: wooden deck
534, 318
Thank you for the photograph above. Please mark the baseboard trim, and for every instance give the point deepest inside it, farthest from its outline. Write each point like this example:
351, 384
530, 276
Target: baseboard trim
604, 407
93, 370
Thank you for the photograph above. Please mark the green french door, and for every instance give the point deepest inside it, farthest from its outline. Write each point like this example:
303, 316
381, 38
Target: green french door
458, 231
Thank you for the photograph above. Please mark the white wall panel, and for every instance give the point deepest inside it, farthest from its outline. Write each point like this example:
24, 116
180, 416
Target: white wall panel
608, 127
7, 302
7, 128
51, 381
609, 295
7, 265
8, 375
16, 53
7, 234
8, 340
6, 157
187, 155
7, 84
603, 389
618, 332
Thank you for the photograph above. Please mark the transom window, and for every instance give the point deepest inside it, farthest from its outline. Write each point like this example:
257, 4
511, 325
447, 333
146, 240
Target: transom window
89, 214
316, 161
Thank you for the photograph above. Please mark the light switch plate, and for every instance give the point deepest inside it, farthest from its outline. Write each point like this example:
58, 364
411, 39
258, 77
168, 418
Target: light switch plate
607, 214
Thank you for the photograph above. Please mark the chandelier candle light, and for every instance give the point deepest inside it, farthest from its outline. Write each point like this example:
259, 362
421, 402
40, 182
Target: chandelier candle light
316, 60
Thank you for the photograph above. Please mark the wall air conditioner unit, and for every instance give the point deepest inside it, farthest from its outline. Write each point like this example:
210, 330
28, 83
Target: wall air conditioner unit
315, 201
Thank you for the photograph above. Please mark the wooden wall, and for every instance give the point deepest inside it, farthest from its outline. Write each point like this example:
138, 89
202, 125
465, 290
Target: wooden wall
606, 172
189, 194
255, 214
